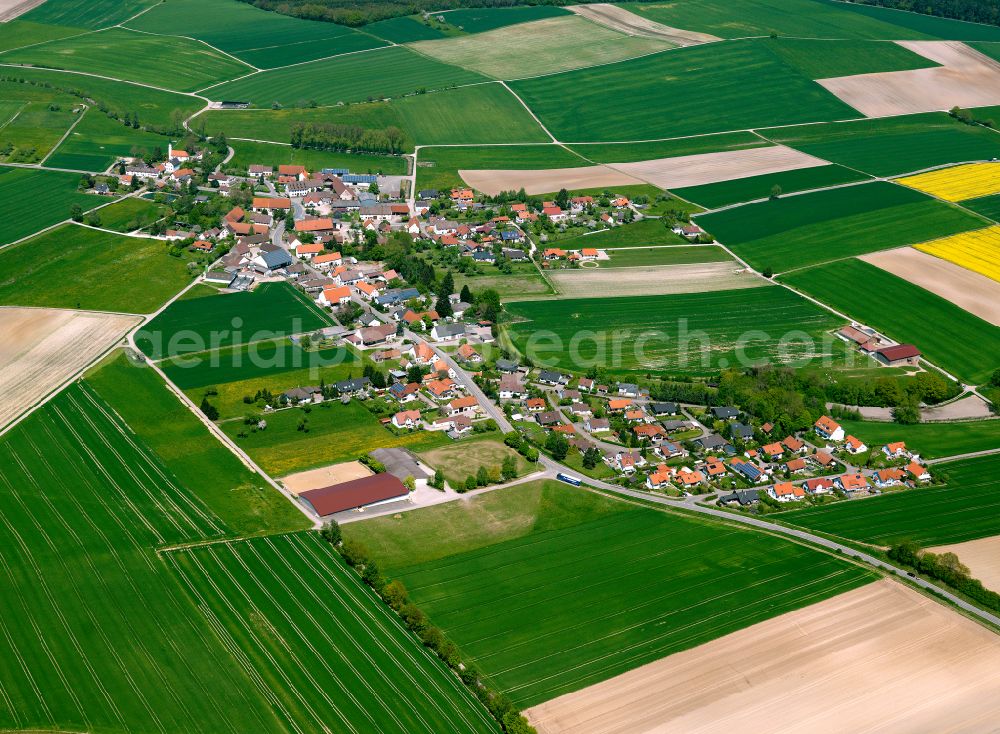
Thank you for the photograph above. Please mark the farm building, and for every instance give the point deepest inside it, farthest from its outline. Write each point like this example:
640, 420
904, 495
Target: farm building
355, 494
899, 355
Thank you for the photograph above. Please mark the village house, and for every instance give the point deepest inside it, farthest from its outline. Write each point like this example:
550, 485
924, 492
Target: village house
597, 425
896, 450
854, 445
852, 484
511, 388
660, 477
335, 295
918, 472
466, 405
819, 485
900, 355
406, 419
826, 427
889, 477
786, 492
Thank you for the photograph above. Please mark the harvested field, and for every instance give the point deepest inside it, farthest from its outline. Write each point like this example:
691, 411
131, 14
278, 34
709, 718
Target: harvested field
958, 183
971, 291
978, 251
546, 180
540, 47
878, 653
653, 281
706, 168
981, 556
42, 348
620, 19
965, 78
325, 476
10, 9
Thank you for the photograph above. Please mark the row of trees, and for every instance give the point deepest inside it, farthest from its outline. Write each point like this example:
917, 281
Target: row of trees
976, 11
394, 594
322, 136
945, 567
354, 13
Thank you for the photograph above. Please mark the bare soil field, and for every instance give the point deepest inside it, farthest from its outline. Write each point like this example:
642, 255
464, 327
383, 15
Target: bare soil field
970, 407
492, 182
971, 291
981, 556
966, 78
10, 9
619, 19
42, 348
325, 476
706, 168
880, 658
654, 280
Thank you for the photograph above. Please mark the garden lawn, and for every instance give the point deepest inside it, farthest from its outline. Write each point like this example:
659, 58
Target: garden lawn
324, 651
269, 154
264, 39
632, 152
751, 87
644, 233
39, 198
634, 257
76, 267
270, 311
90, 15
930, 440
477, 20
551, 594
695, 333
336, 433
948, 336
97, 141
798, 231
462, 459
893, 145
540, 47
131, 214
725, 193
243, 499
437, 168
389, 72
167, 62
966, 508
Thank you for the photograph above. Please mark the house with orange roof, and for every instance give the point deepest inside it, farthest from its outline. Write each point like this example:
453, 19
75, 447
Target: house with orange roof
918, 472
773, 450
896, 450
714, 468
689, 479
555, 214
299, 172
588, 253
854, 445
554, 253
793, 444
852, 483
819, 485
468, 354
441, 389
462, 195
310, 250
440, 367
796, 465
823, 458
318, 224
367, 290
466, 404
627, 461
889, 477
650, 432
335, 295
407, 419
786, 492
635, 415
271, 203
202, 246
327, 260
660, 477
828, 428
617, 405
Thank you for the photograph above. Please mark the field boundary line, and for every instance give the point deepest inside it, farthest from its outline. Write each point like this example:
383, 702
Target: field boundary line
16, 114
189, 38
102, 76
69, 130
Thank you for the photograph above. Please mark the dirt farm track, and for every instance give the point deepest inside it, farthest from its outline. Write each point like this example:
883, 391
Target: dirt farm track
41, 348
880, 658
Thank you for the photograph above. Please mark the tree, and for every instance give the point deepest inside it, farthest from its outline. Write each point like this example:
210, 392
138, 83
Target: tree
768, 272
76, 213
410, 482
438, 479
443, 307
395, 594
906, 413
509, 468
470, 483
331, 532
210, 411
591, 457
482, 477
466, 296
775, 191
447, 286
305, 341
557, 445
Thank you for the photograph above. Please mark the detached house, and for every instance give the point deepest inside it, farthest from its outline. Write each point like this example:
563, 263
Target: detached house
828, 428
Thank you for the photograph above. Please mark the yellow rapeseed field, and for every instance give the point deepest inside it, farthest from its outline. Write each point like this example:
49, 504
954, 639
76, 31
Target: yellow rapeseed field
959, 182
978, 251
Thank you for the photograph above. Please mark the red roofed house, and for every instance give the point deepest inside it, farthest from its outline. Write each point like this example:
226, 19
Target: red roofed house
851, 483
819, 485
918, 472
786, 492
355, 494
792, 443
327, 260
467, 404
854, 445
898, 355
554, 253
555, 213
368, 290
335, 295
320, 224
267, 203
588, 253
406, 419
535, 405
660, 478
796, 465
774, 450
827, 427
299, 172
308, 251
889, 477
896, 450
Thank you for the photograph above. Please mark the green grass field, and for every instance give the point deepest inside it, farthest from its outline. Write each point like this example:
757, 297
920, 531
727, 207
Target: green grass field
406, 28
893, 145
167, 62
269, 154
513, 586
318, 646
988, 206
810, 18
477, 20
256, 36
644, 233
947, 335
825, 59
191, 325
32, 120
131, 214
930, 440
965, 508
751, 87
634, 257
336, 433
797, 231
541, 47
390, 72
97, 141
724, 193
437, 168
457, 461
40, 199
19, 32
630, 152
90, 15
76, 267
519, 284
693, 333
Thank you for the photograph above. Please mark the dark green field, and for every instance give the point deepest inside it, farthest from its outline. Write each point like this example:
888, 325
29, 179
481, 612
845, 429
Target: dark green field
644, 233
629, 152
797, 231
130, 214
695, 333
751, 87
893, 145
256, 36
949, 336
988, 206
390, 72
40, 199
405, 29
511, 583
76, 267
634, 257
90, 15
437, 168
930, 440
825, 59
98, 141
477, 20
966, 508
192, 325
751, 188
269, 154
33, 120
